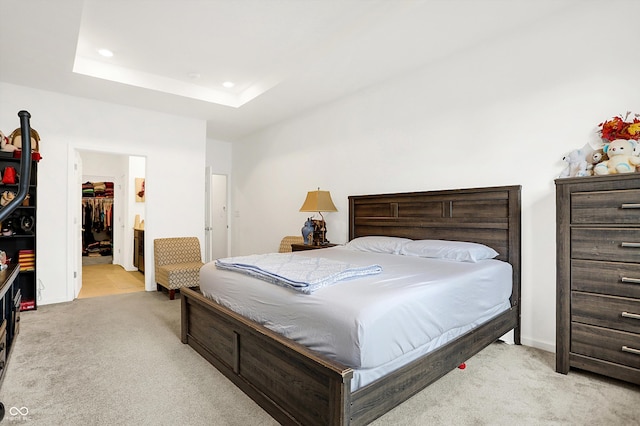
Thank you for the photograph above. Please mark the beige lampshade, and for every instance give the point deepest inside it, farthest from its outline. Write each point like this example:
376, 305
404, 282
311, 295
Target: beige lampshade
318, 201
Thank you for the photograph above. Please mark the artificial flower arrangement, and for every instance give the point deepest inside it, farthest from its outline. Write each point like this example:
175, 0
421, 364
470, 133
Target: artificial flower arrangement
621, 128
620, 137
620, 152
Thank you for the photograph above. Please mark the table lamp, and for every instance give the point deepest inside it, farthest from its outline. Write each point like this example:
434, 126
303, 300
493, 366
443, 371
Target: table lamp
319, 201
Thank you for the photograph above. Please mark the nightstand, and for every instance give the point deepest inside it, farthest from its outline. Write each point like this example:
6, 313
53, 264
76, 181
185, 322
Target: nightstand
302, 247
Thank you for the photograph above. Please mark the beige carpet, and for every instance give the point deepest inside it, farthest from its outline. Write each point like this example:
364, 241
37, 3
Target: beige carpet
118, 360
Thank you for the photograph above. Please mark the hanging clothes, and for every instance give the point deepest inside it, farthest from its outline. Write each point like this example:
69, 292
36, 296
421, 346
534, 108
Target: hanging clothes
97, 214
97, 217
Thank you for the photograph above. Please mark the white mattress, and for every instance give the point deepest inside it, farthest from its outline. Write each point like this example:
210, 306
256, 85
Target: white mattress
377, 323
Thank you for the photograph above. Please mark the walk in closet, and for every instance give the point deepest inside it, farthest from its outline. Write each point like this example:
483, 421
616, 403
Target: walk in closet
97, 221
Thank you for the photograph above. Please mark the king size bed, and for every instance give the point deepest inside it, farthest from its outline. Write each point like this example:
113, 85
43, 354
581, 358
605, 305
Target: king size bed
349, 352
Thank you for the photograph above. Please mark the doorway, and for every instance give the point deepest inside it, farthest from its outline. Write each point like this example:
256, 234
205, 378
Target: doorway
97, 220
216, 216
119, 275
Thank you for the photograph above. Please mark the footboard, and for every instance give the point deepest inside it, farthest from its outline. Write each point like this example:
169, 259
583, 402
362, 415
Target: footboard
292, 383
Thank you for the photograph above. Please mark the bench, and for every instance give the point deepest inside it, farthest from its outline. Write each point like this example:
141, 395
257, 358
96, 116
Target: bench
177, 263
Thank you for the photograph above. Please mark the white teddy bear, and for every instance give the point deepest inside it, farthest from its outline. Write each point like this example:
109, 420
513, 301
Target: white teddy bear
577, 164
621, 158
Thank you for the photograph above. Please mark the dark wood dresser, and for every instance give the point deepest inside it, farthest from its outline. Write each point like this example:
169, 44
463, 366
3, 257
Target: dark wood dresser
10, 298
138, 249
598, 275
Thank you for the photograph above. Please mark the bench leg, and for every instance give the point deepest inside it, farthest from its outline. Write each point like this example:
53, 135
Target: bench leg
172, 294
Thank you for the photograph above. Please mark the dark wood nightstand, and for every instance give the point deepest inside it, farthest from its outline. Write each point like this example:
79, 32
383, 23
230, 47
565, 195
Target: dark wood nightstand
302, 247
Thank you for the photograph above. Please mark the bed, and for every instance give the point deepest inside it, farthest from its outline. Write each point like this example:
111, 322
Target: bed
298, 385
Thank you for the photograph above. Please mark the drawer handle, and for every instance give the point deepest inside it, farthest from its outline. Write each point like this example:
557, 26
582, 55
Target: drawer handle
631, 350
630, 315
630, 206
631, 280
631, 245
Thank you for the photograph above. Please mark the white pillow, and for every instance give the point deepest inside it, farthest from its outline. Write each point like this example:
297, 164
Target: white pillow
452, 250
377, 244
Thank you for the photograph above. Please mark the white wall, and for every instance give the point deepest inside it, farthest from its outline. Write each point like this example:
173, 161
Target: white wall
502, 113
218, 156
175, 165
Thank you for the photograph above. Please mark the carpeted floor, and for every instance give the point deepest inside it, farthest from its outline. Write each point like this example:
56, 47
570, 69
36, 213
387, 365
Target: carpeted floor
118, 360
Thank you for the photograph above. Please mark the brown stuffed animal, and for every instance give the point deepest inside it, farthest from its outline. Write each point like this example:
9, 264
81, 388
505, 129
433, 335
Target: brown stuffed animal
15, 141
595, 157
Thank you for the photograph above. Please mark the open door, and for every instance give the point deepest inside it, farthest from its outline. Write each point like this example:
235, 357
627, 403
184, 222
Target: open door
216, 217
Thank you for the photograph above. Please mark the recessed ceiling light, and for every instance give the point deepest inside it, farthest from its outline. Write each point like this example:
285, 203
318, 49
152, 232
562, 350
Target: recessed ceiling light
228, 84
105, 52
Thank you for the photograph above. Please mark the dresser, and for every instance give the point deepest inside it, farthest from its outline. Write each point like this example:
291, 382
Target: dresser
598, 275
10, 299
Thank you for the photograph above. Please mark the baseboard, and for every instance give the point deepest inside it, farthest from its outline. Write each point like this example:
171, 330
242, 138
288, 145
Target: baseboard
545, 346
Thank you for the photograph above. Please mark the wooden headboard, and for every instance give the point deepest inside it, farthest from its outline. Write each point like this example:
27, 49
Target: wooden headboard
490, 216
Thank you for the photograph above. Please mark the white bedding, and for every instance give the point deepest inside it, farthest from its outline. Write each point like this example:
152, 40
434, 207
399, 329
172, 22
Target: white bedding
376, 323
301, 273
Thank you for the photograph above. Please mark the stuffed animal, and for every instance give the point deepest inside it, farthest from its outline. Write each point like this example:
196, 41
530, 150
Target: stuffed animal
597, 156
621, 158
15, 141
636, 153
576, 162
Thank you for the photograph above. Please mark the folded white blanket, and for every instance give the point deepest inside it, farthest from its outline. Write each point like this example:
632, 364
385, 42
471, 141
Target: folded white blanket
301, 273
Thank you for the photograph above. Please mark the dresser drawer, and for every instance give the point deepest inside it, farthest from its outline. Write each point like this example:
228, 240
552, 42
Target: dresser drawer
613, 244
612, 278
606, 344
620, 313
615, 207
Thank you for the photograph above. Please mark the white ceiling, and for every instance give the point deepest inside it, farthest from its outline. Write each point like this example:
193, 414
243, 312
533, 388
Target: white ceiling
284, 56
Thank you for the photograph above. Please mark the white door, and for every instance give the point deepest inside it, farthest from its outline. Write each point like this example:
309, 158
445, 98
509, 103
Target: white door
76, 200
216, 226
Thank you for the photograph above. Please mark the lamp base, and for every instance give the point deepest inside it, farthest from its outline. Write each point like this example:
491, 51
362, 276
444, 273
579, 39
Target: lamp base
319, 232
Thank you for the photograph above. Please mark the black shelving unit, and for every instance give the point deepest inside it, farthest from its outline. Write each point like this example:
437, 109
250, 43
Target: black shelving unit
18, 232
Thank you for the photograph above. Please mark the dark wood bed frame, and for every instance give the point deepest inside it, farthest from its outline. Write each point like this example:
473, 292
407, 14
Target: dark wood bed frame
295, 385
